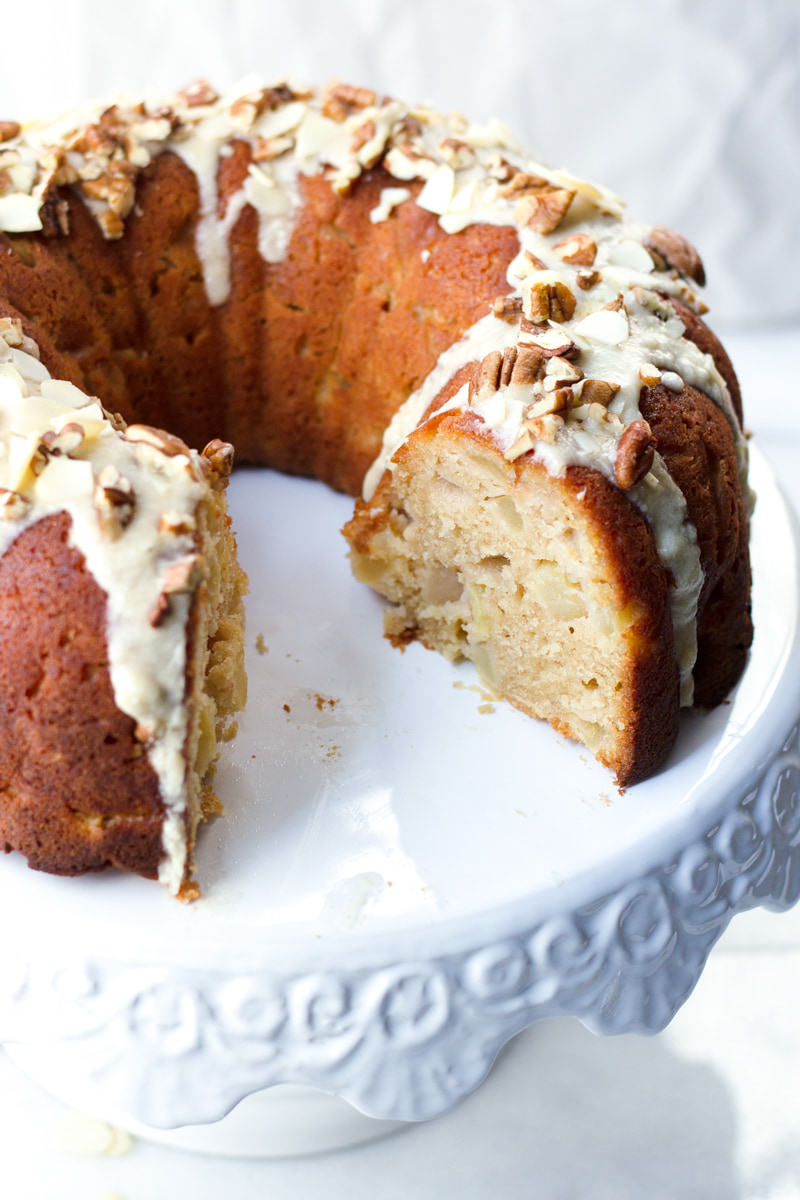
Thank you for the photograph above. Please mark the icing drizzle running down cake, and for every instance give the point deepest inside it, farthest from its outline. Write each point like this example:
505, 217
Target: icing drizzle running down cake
547, 437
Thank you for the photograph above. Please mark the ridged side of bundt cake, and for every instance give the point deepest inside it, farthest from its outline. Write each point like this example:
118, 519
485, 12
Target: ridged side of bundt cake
305, 362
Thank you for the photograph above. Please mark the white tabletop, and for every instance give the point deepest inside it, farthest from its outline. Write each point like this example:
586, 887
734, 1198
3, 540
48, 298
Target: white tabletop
707, 1109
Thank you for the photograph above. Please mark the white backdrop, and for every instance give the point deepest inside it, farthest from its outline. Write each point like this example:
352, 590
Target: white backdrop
690, 109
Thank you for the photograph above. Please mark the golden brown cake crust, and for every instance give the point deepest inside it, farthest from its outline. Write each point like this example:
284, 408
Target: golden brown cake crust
694, 438
77, 792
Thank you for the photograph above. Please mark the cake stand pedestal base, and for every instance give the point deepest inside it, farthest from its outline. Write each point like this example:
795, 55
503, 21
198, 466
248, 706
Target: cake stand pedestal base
280, 1122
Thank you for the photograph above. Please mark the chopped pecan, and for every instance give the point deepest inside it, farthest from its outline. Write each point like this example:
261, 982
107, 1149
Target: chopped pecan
217, 463
654, 303
175, 524
456, 153
68, 439
197, 94
552, 402
184, 574
553, 343
539, 205
560, 371
114, 501
528, 365
521, 364
586, 280
251, 106
635, 454
111, 225
677, 252
166, 443
408, 130
179, 578
598, 391
545, 301
364, 134
579, 250
275, 97
507, 365
535, 262
160, 610
543, 211
508, 308
9, 130
546, 428
54, 213
500, 169
148, 731
11, 331
116, 189
341, 99
13, 507
487, 377
520, 182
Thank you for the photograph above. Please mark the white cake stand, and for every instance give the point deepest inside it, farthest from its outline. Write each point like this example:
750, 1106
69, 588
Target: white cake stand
406, 877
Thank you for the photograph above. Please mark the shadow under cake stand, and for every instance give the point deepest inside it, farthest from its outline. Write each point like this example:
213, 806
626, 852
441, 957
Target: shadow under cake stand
407, 874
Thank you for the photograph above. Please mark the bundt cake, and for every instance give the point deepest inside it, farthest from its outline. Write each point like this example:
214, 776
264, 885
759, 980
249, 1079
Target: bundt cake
547, 436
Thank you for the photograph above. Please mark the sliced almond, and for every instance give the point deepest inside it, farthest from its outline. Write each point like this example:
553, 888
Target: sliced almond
521, 446
268, 149
597, 412
607, 326
649, 375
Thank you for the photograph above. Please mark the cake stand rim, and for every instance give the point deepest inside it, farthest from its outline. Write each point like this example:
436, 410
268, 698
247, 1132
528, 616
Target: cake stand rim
409, 1037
